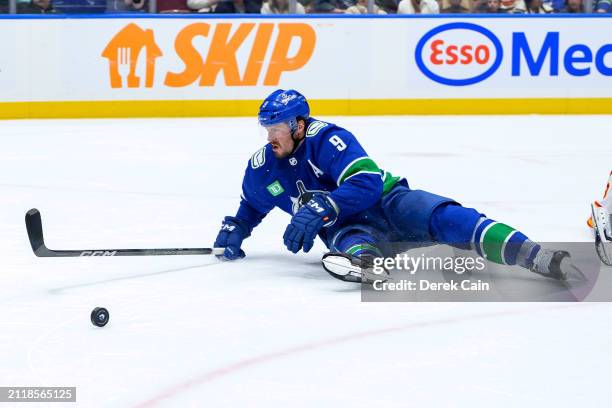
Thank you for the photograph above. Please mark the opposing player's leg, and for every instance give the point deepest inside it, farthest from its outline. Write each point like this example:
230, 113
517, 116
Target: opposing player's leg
602, 229
605, 202
352, 253
601, 223
429, 217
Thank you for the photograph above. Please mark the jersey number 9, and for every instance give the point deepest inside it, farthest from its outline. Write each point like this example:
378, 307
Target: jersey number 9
336, 141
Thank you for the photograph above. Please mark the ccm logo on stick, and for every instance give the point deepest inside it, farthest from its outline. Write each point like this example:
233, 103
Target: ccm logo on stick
459, 54
98, 253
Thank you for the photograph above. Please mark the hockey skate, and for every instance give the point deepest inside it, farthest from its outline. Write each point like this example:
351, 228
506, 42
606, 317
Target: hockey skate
353, 269
602, 228
557, 265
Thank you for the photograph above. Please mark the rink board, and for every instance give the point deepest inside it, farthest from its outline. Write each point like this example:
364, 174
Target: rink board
173, 66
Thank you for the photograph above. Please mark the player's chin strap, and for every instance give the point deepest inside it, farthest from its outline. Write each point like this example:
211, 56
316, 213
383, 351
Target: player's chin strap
296, 142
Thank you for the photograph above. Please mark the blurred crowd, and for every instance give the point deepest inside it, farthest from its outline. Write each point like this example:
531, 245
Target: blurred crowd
310, 6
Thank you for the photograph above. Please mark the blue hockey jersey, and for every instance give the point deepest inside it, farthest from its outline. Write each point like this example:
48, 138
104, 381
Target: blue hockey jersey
331, 161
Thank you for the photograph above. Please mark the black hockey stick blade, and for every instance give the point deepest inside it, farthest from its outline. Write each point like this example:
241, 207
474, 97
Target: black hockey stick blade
35, 235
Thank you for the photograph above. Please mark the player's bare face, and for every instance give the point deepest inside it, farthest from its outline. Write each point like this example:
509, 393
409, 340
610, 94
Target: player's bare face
279, 136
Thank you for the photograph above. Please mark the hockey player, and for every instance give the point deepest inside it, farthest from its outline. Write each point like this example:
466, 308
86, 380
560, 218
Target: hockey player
601, 223
319, 174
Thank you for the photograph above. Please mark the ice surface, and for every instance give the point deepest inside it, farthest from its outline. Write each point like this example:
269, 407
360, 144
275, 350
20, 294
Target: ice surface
275, 329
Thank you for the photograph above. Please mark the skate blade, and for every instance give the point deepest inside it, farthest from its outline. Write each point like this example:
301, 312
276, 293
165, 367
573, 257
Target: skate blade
602, 252
342, 265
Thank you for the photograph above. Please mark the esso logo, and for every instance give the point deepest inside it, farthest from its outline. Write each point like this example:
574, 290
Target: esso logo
459, 54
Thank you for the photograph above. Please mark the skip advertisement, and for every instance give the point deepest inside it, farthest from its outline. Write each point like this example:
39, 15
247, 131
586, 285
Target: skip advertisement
183, 66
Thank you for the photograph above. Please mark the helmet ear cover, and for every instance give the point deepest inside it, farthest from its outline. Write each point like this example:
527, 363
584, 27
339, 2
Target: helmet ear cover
293, 123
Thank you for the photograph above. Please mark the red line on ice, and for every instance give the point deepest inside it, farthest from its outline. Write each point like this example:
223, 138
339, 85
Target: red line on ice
263, 358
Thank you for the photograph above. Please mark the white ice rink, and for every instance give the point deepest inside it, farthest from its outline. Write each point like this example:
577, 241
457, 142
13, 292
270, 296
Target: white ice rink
274, 330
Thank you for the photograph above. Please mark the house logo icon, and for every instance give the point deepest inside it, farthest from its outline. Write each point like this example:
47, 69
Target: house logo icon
122, 53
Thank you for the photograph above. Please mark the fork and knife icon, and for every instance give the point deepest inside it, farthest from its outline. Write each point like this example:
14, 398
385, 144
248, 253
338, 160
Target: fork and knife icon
124, 63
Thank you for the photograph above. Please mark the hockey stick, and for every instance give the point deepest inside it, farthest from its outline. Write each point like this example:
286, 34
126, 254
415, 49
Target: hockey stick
35, 234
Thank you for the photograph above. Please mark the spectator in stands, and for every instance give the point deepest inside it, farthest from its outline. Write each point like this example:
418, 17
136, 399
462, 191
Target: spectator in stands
130, 6
4, 7
491, 7
36, 7
324, 6
537, 7
238, 7
418, 7
280, 7
306, 4
512, 6
556, 5
408, 7
202, 6
604, 6
329, 6
388, 6
455, 7
479, 6
172, 6
573, 6
361, 7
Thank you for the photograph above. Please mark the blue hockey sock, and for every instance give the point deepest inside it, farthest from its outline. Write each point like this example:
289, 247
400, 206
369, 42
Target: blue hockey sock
497, 242
357, 244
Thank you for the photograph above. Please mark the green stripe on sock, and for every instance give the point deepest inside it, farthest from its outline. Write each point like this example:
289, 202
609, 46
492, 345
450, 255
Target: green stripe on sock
363, 247
493, 241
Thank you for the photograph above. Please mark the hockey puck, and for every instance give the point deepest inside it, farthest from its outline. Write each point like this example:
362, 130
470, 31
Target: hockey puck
99, 316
